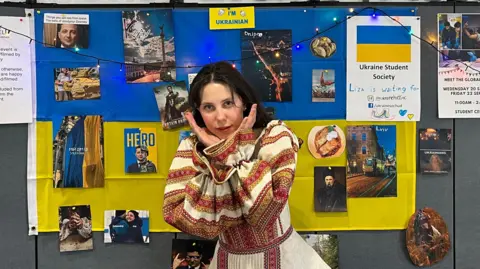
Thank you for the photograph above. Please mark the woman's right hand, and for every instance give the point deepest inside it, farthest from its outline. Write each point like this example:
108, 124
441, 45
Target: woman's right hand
203, 134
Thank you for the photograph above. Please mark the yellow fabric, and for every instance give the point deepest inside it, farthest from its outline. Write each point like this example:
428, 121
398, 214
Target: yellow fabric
93, 169
145, 191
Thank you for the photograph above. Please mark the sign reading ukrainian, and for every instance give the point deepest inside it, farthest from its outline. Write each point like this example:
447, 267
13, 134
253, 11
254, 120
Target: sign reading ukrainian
232, 18
383, 68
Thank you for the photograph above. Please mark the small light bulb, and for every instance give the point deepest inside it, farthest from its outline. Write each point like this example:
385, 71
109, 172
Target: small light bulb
233, 65
77, 49
335, 19
277, 54
316, 29
258, 61
298, 46
351, 10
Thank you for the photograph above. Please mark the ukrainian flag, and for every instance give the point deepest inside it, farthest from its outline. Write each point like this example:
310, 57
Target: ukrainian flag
383, 44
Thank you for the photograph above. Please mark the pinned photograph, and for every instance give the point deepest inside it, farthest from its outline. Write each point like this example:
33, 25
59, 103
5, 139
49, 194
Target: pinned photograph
267, 63
458, 41
330, 190
372, 161
183, 134
270, 111
428, 240
191, 77
326, 141
435, 150
469, 30
450, 31
172, 101
140, 150
323, 85
69, 31
326, 246
75, 228
126, 226
149, 46
80, 83
78, 160
323, 47
188, 253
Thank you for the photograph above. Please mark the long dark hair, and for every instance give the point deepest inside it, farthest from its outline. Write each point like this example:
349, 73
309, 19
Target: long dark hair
224, 73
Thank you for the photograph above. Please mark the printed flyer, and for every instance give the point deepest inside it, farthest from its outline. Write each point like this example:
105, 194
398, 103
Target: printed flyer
383, 69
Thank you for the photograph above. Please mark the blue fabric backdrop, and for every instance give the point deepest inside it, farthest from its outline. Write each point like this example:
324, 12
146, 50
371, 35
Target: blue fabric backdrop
194, 44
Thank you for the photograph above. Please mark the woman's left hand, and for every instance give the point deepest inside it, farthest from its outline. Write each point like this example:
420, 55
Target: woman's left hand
249, 121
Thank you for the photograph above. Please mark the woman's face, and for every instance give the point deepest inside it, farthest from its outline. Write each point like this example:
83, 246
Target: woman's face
130, 217
222, 114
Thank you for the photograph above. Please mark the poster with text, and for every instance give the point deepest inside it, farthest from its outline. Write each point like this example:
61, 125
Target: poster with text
78, 160
66, 31
149, 47
140, 150
459, 65
435, 150
172, 102
15, 75
383, 69
267, 63
372, 161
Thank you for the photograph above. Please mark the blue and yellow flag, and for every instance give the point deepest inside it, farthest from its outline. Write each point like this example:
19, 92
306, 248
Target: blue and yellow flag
387, 44
140, 150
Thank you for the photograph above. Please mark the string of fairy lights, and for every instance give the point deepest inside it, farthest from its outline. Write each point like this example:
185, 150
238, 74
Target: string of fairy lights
353, 13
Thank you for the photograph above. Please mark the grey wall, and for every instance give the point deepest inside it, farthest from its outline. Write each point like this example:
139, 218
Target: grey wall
17, 249
467, 184
358, 249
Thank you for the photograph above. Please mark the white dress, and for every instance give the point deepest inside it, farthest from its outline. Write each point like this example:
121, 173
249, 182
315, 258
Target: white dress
238, 190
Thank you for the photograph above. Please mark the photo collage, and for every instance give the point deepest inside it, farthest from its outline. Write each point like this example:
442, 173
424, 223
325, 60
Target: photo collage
371, 164
459, 40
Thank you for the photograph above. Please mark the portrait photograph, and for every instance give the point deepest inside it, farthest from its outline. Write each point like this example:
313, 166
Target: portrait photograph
267, 63
75, 228
80, 83
172, 102
149, 45
372, 161
127, 226
78, 160
68, 31
189, 254
330, 189
140, 146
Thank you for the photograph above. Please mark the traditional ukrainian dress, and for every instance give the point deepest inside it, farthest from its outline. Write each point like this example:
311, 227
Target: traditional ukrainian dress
238, 190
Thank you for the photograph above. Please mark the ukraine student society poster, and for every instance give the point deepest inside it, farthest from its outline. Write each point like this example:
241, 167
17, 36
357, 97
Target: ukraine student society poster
383, 68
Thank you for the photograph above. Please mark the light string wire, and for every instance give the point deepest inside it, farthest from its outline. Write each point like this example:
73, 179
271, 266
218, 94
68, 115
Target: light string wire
337, 23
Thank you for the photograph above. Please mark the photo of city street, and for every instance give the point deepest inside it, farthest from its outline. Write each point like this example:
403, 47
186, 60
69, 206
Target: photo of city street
371, 170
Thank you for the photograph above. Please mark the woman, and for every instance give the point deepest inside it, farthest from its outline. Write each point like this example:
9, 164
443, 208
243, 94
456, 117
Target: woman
127, 228
232, 178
